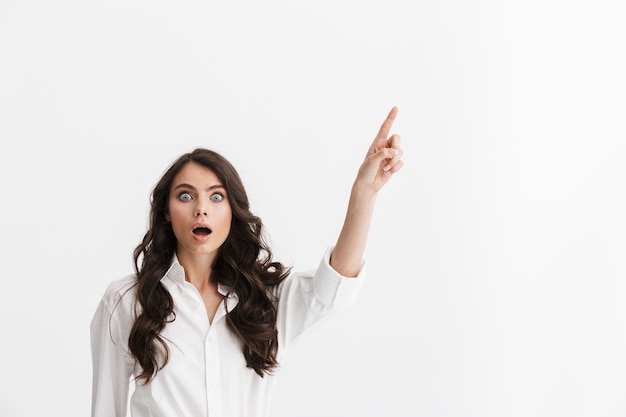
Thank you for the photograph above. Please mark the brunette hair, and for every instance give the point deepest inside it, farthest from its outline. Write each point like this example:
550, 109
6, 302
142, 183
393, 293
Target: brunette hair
244, 264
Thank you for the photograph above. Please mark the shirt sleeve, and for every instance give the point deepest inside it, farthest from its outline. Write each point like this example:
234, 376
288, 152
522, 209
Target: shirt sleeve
306, 298
112, 363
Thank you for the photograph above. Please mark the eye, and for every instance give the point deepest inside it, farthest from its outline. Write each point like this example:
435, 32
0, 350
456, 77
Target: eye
217, 197
184, 196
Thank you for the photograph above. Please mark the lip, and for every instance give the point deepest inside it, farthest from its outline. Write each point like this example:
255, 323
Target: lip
201, 238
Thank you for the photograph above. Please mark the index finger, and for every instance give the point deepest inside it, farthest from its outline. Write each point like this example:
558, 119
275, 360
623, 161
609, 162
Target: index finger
386, 126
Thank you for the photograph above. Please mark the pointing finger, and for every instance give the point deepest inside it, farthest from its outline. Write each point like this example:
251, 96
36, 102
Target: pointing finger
386, 126
383, 133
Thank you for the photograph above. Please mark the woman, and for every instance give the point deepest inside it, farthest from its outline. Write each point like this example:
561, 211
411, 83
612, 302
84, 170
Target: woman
200, 325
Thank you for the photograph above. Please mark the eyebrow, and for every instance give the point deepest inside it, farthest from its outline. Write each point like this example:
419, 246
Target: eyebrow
185, 185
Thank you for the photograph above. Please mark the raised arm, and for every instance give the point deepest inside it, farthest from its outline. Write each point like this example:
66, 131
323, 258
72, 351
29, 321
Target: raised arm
382, 160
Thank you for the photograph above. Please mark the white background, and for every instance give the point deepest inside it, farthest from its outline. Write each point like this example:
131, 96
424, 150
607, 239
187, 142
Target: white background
496, 258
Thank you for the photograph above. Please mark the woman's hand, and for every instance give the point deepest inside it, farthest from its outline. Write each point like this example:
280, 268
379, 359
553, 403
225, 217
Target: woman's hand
383, 158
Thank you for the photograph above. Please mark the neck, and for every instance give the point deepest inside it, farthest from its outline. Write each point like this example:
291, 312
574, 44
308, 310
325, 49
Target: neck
198, 268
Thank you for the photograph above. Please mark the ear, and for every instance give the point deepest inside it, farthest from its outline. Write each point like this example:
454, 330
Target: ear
167, 216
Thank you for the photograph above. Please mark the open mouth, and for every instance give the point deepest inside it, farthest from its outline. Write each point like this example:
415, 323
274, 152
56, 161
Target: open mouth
202, 230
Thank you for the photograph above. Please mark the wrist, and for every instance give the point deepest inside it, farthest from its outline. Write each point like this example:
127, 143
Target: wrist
362, 192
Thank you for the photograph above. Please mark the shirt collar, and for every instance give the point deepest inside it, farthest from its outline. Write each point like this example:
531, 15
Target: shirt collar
176, 273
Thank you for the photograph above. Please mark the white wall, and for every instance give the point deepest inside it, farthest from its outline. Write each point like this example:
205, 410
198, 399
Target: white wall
496, 257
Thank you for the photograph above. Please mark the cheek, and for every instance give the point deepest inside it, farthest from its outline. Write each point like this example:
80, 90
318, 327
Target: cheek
227, 218
175, 212
229, 223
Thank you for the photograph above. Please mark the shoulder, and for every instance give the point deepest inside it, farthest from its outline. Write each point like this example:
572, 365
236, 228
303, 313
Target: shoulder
115, 314
120, 292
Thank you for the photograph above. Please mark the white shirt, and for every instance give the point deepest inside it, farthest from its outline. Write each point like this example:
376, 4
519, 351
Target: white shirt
206, 375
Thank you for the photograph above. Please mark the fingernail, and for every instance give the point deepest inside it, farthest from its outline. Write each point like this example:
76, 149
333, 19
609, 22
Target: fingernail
386, 168
394, 151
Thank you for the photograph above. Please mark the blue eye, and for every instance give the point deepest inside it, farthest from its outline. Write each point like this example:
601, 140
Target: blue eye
217, 197
184, 197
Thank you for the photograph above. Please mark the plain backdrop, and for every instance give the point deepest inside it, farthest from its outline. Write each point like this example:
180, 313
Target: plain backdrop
496, 256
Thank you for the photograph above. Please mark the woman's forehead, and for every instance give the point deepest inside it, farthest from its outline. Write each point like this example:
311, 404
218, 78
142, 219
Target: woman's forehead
196, 175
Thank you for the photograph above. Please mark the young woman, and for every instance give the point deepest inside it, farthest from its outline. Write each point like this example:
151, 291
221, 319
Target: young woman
200, 325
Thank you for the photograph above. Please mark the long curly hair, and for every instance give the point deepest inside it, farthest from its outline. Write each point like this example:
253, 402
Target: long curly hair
244, 264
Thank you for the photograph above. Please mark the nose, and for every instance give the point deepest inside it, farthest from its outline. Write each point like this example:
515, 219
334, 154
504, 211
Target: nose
201, 209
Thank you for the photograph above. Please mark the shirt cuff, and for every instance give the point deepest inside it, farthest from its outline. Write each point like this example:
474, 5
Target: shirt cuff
333, 289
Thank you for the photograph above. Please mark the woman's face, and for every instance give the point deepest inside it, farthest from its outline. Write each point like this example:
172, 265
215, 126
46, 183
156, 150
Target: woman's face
199, 211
